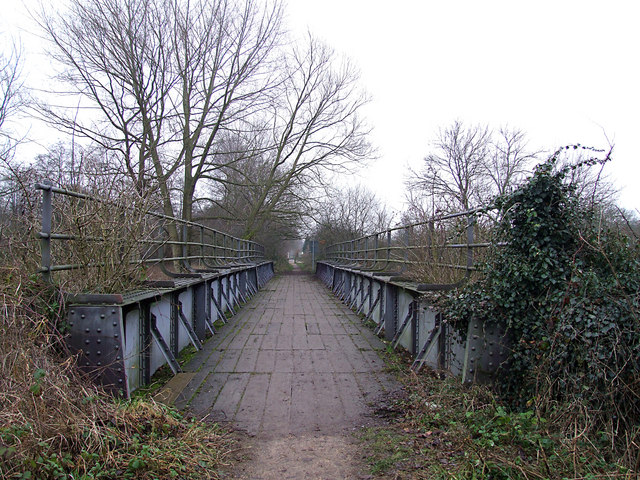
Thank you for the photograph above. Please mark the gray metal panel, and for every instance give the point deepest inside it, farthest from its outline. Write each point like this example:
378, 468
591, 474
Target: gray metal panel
96, 332
427, 321
132, 348
404, 300
162, 310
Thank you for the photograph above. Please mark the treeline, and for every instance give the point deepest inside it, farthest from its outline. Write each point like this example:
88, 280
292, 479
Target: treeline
208, 106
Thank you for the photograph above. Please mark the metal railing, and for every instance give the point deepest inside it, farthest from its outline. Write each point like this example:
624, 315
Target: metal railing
448, 242
192, 248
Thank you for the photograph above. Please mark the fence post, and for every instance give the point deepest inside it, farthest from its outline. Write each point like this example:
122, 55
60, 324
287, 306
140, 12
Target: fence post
470, 224
45, 234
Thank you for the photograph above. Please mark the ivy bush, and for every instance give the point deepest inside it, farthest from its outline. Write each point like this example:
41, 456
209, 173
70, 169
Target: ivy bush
566, 283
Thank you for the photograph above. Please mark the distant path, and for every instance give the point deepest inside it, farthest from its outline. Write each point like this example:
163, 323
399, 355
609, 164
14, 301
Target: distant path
297, 370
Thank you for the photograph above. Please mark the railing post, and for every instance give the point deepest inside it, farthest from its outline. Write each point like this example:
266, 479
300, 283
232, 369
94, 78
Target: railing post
202, 244
45, 234
184, 244
470, 224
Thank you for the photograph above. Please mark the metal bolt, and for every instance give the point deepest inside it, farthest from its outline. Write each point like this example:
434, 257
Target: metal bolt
72, 312
113, 312
102, 316
117, 347
87, 342
98, 341
83, 316
115, 324
87, 330
118, 358
99, 364
99, 330
115, 335
119, 380
98, 352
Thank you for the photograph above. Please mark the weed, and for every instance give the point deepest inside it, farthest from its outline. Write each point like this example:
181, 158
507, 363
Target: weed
55, 425
455, 432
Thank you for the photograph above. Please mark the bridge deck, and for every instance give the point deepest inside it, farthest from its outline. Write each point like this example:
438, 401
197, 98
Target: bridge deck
294, 360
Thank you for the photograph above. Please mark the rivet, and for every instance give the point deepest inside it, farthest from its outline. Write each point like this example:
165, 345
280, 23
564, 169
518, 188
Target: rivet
99, 364
73, 312
113, 312
491, 364
473, 349
102, 316
119, 370
87, 364
117, 347
119, 380
87, 330
99, 330
471, 370
83, 316
118, 357
491, 354
115, 324
98, 352
71, 324
87, 353
98, 341
87, 342
115, 335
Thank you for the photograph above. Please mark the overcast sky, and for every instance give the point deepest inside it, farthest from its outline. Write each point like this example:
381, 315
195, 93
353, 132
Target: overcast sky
563, 71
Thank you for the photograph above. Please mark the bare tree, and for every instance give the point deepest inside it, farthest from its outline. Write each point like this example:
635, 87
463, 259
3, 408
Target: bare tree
163, 79
470, 165
12, 99
454, 173
350, 213
509, 160
315, 128
312, 128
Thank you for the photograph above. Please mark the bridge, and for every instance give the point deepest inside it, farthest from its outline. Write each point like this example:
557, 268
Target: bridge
291, 355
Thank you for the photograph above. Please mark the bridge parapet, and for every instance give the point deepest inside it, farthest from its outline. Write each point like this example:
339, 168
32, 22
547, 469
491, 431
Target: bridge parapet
381, 276
123, 336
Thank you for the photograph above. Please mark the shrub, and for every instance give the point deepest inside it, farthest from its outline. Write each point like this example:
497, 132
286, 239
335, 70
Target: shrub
566, 284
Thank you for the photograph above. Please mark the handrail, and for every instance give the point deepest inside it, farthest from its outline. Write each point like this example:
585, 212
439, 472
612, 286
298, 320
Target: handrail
419, 243
213, 249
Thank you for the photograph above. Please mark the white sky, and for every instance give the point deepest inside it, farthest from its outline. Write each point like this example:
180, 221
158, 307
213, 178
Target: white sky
563, 71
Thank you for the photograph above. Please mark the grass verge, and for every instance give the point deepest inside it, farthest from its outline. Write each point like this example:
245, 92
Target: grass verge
443, 430
56, 425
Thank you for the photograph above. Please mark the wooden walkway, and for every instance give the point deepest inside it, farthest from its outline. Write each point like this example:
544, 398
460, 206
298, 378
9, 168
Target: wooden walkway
293, 361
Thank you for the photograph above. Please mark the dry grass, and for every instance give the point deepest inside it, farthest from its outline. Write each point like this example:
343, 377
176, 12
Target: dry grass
443, 430
54, 424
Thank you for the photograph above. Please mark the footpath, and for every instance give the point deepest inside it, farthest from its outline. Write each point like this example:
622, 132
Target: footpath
298, 373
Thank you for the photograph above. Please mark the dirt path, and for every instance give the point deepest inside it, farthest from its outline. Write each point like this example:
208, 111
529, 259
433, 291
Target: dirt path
297, 373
